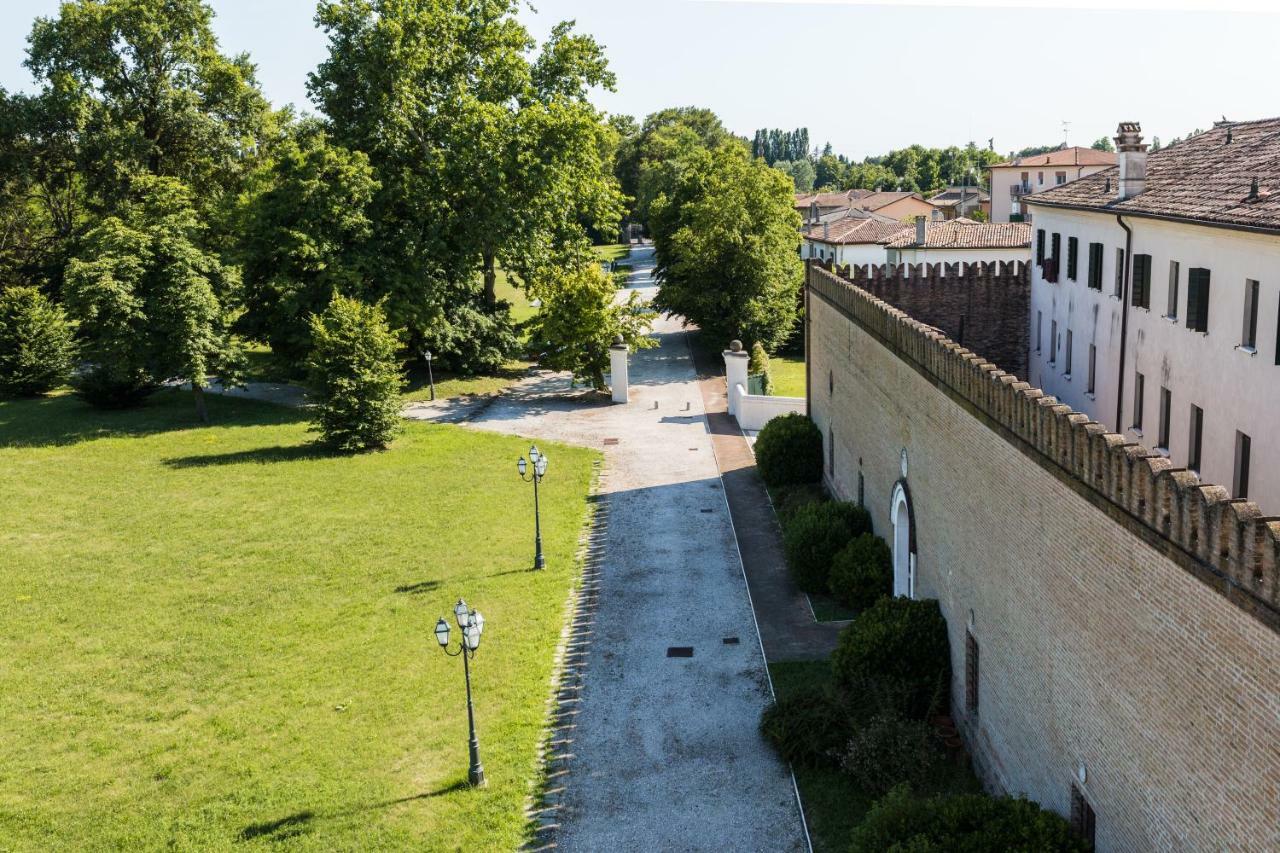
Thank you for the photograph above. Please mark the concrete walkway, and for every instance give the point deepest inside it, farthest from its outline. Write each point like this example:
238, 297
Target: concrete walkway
659, 729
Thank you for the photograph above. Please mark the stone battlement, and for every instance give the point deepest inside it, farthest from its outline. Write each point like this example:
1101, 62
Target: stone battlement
1227, 543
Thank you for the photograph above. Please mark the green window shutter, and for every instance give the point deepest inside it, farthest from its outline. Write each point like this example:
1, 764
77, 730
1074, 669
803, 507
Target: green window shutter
1204, 301
1040, 247
1141, 281
1198, 299
1073, 249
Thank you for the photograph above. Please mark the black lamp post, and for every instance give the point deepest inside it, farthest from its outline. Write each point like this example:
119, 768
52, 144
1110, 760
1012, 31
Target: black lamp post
536, 467
431, 379
472, 625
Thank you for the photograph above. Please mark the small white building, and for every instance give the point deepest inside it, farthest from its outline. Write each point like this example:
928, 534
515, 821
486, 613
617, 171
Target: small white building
959, 241
1011, 181
853, 240
1155, 301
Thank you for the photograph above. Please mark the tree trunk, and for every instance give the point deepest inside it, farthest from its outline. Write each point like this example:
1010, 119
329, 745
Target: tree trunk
597, 379
197, 391
490, 280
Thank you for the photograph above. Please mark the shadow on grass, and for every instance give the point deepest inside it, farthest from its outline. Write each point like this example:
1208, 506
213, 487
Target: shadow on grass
258, 456
301, 822
65, 419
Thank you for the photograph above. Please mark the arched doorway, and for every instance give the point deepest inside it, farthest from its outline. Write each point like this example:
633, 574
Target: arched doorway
904, 543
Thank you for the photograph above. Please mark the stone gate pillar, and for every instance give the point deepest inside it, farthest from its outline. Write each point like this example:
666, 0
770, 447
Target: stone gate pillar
735, 373
618, 378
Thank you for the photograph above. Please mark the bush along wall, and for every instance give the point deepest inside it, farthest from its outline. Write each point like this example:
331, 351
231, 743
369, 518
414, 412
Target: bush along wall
814, 534
789, 451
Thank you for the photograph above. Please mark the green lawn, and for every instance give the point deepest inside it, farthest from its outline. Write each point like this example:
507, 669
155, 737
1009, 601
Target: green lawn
612, 251
418, 388
219, 637
788, 375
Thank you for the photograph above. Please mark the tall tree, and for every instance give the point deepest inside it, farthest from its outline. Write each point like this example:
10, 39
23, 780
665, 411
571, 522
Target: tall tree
727, 240
483, 157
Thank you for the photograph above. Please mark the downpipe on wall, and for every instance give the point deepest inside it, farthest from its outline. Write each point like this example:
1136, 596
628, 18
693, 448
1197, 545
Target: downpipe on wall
1124, 322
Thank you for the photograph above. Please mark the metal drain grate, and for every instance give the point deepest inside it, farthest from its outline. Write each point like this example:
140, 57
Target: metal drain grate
706, 510
609, 442
679, 651
730, 641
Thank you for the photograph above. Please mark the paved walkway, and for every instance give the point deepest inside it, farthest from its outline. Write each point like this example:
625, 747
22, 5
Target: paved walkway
660, 729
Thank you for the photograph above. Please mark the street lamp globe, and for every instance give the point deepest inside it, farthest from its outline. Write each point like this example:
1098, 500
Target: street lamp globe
542, 465
522, 466
478, 621
442, 633
534, 454
463, 613
472, 637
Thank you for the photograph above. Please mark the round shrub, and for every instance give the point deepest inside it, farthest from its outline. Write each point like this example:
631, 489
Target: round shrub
355, 377
789, 450
787, 499
808, 731
37, 347
888, 749
899, 638
814, 534
862, 572
966, 823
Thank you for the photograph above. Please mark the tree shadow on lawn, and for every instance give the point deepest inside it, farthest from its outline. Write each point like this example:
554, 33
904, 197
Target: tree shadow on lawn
301, 822
259, 456
65, 419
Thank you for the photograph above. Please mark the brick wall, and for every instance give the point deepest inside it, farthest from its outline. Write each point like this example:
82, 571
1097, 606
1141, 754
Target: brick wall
1128, 617
984, 306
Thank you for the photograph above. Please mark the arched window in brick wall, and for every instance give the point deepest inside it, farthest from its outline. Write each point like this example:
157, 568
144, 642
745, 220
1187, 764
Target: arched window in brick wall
904, 541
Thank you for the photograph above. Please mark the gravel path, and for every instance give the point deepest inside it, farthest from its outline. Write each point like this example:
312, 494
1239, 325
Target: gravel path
665, 750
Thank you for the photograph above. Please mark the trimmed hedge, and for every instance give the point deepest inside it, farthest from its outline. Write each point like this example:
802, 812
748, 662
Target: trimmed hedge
810, 730
888, 749
967, 823
787, 499
815, 533
862, 572
37, 347
789, 450
901, 639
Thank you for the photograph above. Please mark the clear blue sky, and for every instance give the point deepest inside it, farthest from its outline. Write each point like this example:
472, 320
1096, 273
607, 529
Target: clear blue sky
866, 77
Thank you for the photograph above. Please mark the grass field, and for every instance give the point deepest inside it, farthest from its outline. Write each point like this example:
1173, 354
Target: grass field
612, 251
219, 637
788, 375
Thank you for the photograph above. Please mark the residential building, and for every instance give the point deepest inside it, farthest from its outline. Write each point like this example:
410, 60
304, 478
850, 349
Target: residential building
1163, 275
956, 202
813, 207
1015, 179
897, 205
853, 240
959, 240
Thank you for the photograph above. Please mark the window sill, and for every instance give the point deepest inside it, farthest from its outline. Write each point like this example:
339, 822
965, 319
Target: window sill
1136, 431
1066, 376
1173, 320
1091, 395
1163, 451
1247, 350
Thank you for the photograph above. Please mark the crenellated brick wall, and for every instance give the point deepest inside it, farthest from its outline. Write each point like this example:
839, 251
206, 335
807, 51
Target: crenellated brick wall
1128, 615
983, 306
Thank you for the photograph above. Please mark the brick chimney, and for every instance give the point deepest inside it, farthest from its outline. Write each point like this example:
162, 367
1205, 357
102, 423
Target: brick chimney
922, 226
1132, 155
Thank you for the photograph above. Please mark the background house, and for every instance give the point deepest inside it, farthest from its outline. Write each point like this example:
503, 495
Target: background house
959, 240
854, 240
1010, 182
955, 202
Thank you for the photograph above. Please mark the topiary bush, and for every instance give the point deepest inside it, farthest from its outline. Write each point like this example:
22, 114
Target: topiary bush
789, 450
966, 823
899, 638
814, 534
355, 377
37, 345
758, 365
809, 730
862, 572
888, 749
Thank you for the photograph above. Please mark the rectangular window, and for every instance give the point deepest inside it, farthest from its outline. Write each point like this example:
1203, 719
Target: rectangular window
1139, 395
1053, 341
1249, 337
1141, 284
1194, 438
1073, 250
970, 673
1095, 266
1067, 365
1198, 299
1119, 291
1243, 446
1039, 247
1093, 363
1166, 405
1060, 177
1278, 337
1026, 178
1040, 177
1039, 328
1083, 821
1174, 275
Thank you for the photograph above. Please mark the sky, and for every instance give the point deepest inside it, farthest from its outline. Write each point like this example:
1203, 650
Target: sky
866, 77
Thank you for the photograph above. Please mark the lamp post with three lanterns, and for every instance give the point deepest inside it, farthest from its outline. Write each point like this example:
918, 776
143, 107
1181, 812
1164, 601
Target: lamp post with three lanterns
536, 468
472, 625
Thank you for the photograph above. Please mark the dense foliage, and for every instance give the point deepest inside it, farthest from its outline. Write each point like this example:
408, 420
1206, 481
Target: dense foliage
37, 345
903, 639
862, 572
789, 451
774, 144
810, 730
580, 320
354, 376
969, 823
726, 239
887, 749
813, 536
758, 365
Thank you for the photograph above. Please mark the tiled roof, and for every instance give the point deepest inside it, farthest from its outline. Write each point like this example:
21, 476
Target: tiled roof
843, 198
1202, 179
875, 201
951, 196
966, 234
1075, 156
854, 230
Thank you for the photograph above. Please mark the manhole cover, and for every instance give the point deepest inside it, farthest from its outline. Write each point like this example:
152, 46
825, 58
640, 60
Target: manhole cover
679, 651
